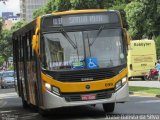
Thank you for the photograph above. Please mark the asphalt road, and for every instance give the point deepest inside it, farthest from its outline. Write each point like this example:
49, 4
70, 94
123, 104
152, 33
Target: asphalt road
137, 108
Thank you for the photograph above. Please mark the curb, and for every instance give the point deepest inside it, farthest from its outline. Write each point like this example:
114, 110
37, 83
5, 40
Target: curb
144, 94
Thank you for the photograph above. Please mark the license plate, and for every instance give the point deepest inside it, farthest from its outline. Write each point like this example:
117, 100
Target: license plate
88, 97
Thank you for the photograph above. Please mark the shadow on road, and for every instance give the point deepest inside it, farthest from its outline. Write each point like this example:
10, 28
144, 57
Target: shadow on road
70, 113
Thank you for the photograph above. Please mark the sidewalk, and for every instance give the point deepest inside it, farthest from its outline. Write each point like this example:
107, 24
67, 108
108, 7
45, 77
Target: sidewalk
153, 84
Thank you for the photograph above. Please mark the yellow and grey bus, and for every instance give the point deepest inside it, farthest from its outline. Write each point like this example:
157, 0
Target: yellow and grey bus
141, 58
72, 58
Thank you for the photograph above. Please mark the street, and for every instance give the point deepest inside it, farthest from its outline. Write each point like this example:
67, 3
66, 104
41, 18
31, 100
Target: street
137, 107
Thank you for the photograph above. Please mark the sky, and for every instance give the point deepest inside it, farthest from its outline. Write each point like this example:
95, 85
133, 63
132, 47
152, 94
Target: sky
10, 6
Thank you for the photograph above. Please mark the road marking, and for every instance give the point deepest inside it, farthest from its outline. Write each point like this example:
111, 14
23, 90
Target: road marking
8, 95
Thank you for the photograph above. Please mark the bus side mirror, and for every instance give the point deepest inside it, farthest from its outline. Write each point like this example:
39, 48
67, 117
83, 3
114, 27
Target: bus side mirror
35, 43
127, 37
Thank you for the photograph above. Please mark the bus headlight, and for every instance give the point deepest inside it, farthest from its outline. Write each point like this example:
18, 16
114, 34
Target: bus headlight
48, 86
120, 83
52, 89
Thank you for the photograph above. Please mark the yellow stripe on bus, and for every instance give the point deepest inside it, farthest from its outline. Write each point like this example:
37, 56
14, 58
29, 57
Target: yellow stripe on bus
79, 11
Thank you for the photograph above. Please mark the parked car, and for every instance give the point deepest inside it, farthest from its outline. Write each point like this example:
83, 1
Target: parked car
7, 79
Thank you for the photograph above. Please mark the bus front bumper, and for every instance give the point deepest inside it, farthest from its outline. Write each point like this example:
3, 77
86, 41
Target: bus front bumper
51, 100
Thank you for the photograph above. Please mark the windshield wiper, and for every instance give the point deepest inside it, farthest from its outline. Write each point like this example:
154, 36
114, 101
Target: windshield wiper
89, 47
68, 38
98, 33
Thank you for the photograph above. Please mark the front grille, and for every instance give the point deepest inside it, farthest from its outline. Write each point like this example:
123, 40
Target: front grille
77, 97
79, 75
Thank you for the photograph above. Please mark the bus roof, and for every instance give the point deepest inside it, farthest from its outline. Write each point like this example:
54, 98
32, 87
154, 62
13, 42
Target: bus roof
79, 11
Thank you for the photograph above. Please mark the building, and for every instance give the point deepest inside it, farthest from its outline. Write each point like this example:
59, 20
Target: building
27, 7
9, 19
10, 16
6, 15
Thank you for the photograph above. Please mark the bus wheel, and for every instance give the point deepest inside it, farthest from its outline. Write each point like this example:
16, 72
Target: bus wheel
108, 107
24, 103
42, 112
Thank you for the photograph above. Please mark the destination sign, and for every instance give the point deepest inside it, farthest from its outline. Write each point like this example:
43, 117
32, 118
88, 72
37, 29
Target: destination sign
81, 19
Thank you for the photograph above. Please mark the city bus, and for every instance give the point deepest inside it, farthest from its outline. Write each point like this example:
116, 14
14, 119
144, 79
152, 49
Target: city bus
141, 58
72, 58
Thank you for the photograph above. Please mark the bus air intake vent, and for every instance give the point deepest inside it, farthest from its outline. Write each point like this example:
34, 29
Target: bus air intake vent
85, 75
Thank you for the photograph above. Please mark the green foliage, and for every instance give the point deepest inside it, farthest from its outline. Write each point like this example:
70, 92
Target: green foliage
81, 4
38, 12
6, 40
157, 40
1, 24
1, 60
17, 26
143, 18
121, 8
6, 44
135, 17
57, 5
11, 67
51, 6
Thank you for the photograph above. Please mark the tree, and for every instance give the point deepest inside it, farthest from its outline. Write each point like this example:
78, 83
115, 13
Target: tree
52, 6
57, 5
18, 25
1, 25
157, 41
143, 17
81, 4
6, 40
1, 60
5, 44
38, 12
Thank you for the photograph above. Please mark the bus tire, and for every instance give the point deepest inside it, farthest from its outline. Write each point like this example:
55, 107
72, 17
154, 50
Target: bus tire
25, 104
42, 112
108, 107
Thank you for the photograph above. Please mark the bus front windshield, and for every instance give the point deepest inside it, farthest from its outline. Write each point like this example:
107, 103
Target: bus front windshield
82, 49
